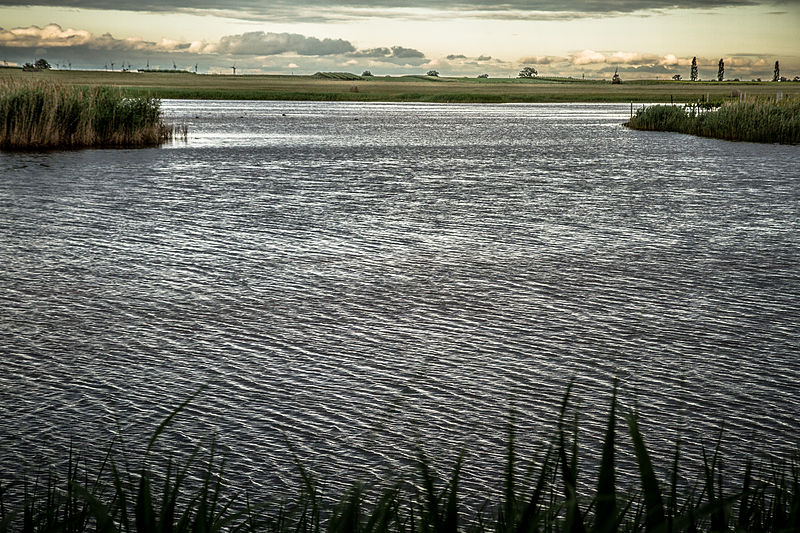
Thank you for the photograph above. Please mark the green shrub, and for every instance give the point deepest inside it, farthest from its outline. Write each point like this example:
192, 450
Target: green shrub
42, 115
758, 120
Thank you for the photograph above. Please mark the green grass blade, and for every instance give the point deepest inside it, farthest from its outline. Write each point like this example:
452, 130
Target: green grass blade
605, 515
530, 515
429, 519
507, 515
654, 506
161, 427
145, 514
450, 515
672, 507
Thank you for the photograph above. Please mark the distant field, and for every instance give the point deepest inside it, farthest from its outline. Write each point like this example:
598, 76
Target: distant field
405, 88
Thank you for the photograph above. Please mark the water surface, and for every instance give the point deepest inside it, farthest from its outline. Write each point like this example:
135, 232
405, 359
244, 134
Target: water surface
351, 278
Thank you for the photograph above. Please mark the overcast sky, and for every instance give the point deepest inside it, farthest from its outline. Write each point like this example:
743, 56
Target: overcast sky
642, 38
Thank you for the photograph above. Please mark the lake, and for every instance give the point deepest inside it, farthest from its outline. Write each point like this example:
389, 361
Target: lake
350, 279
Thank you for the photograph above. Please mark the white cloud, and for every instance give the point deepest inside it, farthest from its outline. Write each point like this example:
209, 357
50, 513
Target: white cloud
541, 60
50, 36
587, 57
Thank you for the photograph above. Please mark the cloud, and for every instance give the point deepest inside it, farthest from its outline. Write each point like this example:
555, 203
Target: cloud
396, 55
542, 60
286, 10
636, 59
373, 52
462, 59
95, 51
50, 36
406, 53
587, 57
274, 52
267, 44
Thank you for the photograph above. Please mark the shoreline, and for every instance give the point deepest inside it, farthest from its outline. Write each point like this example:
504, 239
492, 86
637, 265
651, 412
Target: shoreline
424, 89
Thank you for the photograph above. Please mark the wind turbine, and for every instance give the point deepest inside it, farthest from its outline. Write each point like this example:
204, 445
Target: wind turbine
174, 66
234, 69
195, 68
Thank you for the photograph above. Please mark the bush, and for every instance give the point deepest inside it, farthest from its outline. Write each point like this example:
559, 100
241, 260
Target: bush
757, 120
49, 115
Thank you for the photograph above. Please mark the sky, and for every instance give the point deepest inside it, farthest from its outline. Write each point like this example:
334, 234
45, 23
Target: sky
591, 38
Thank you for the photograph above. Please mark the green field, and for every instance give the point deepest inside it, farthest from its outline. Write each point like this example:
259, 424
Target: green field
403, 89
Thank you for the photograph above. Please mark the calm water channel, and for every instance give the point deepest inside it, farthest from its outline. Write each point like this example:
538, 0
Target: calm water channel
349, 279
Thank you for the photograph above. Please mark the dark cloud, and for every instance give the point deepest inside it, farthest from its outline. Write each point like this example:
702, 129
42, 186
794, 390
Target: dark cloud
406, 53
541, 60
254, 49
456, 56
372, 52
395, 55
484, 58
322, 9
266, 44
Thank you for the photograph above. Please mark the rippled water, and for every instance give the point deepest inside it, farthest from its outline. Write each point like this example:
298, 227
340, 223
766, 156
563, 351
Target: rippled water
351, 278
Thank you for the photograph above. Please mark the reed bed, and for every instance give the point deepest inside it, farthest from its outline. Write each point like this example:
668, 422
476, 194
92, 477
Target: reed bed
48, 115
542, 495
756, 120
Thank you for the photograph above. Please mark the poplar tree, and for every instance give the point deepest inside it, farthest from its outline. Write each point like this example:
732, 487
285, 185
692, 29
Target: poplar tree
777, 75
694, 69
721, 71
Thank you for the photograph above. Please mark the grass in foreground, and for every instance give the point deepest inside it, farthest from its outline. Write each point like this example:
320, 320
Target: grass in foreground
43, 115
755, 120
546, 498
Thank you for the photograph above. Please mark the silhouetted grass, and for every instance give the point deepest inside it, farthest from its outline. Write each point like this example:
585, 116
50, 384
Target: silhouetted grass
41, 115
547, 498
756, 120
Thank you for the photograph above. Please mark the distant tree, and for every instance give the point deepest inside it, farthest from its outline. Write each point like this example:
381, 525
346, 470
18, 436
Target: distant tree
777, 73
528, 72
433, 73
721, 70
366, 74
676, 77
694, 69
41, 64
483, 75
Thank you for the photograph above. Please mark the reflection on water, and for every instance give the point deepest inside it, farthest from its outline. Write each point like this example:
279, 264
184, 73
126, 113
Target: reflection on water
350, 278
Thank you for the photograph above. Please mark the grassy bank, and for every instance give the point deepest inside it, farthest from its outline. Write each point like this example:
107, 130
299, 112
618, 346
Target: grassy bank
41, 114
401, 88
542, 494
754, 120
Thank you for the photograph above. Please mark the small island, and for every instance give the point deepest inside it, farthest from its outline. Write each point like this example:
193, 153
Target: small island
43, 114
763, 120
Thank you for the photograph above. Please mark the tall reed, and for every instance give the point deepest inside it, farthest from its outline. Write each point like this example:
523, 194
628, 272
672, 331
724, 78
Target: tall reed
44, 115
548, 497
754, 120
